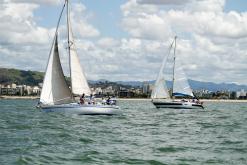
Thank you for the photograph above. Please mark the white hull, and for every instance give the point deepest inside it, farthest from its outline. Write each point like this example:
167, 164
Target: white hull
82, 109
177, 105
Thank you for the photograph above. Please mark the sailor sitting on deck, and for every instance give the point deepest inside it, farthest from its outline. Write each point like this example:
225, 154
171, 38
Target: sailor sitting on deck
103, 101
110, 101
91, 100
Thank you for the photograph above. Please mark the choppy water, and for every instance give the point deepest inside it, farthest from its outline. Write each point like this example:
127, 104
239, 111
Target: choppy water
142, 135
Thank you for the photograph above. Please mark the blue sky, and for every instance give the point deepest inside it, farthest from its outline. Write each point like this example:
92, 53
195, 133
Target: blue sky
238, 5
127, 39
106, 15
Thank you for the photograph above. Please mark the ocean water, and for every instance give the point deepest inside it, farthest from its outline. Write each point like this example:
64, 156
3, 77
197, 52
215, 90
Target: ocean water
141, 135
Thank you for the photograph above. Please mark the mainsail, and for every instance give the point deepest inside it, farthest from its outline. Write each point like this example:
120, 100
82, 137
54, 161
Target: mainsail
55, 89
181, 86
79, 82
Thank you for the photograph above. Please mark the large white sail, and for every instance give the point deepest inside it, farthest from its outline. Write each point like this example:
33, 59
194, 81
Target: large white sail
160, 90
79, 82
181, 86
55, 89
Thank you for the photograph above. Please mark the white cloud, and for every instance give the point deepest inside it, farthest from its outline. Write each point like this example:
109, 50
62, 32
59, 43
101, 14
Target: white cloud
163, 2
149, 26
206, 5
132, 7
209, 39
24, 44
17, 25
48, 2
108, 42
79, 21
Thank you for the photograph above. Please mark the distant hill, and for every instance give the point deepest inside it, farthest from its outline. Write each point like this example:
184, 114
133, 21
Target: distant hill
196, 85
215, 87
8, 76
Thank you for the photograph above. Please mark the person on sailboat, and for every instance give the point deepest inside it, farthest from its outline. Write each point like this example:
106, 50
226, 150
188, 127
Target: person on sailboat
82, 101
91, 99
103, 101
108, 100
113, 101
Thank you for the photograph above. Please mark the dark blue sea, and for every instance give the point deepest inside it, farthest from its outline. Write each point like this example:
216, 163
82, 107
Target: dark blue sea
141, 135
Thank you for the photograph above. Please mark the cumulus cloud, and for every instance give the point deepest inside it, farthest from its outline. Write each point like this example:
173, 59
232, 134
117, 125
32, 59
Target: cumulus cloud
108, 42
206, 5
132, 7
163, 2
48, 2
209, 38
23, 41
79, 21
17, 25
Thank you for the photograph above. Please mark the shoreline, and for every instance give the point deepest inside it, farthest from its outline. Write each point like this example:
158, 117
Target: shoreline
203, 100
19, 97
126, 99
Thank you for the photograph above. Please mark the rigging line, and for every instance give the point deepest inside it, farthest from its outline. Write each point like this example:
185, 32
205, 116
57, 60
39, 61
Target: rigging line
58, 23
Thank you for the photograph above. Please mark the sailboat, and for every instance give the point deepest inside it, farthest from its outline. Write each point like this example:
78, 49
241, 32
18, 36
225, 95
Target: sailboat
56, 95
162, 98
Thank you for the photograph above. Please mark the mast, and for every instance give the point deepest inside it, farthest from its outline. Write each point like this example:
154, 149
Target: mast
69, 43
174, 58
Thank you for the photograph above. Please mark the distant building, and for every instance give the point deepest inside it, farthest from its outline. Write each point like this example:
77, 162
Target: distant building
146, 88
98, 91
233, 95
151, 87
4, 91
241, 94
20, 90
125, 94
12, 91
29, 90
13, 86
36, 90
108, 91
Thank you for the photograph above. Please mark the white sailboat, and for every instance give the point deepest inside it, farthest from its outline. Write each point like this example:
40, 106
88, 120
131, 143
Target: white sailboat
161, 97
56, 94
